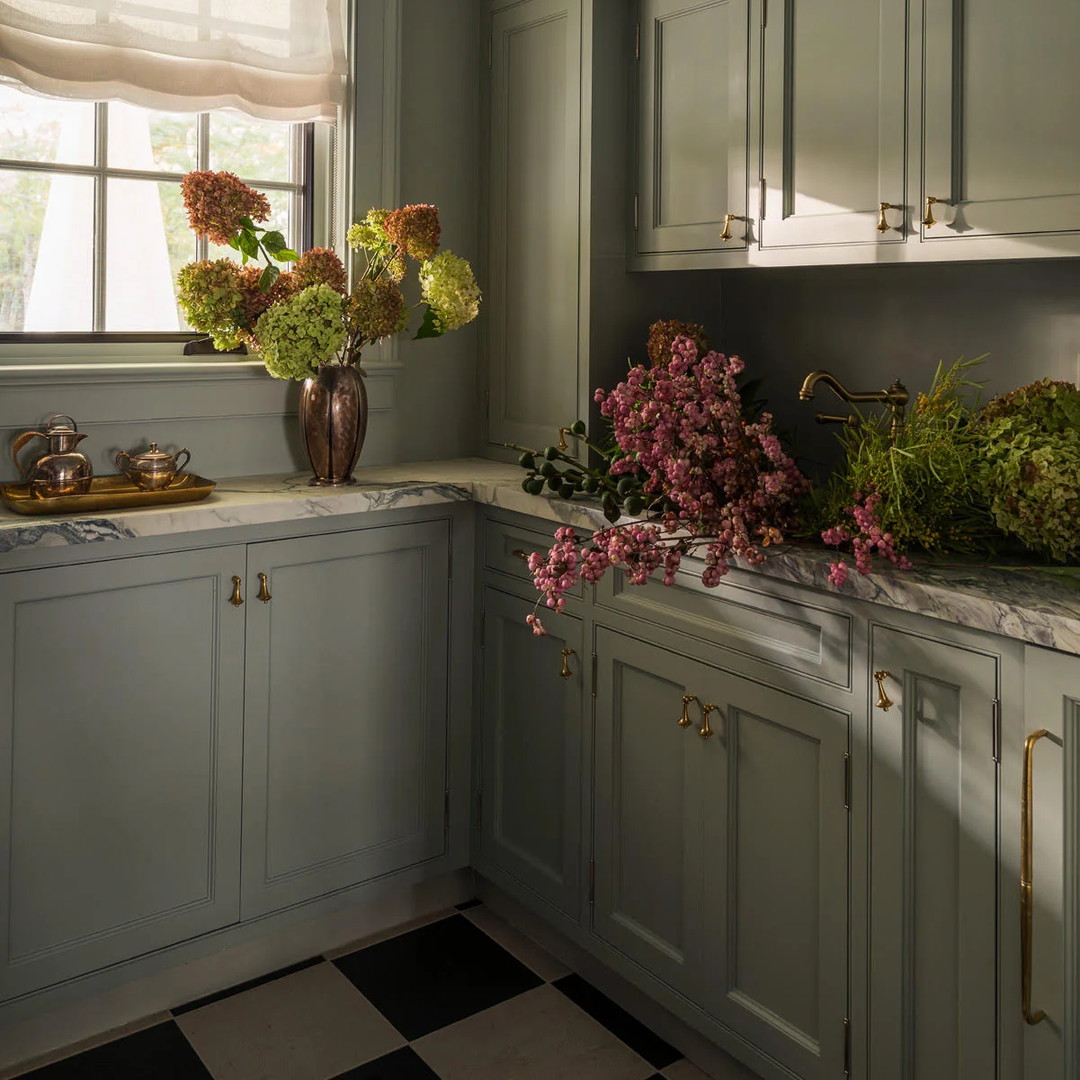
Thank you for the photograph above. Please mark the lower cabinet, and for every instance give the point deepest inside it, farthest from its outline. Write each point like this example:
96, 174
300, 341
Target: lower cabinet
1048, 824
120, 736
346, 711
532, 739
721, 846
933, 873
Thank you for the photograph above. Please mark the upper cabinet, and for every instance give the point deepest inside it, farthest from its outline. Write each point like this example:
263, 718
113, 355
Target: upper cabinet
534, 110
859, 131
692, 116
833, 122
1001, 96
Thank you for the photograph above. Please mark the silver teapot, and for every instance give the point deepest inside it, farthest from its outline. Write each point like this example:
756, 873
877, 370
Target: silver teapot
60, 470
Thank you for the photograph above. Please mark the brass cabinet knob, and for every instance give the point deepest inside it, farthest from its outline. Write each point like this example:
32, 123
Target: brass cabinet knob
884, 702
684, 720
264, 592
882, 224
705, 731
566, 672
236, 599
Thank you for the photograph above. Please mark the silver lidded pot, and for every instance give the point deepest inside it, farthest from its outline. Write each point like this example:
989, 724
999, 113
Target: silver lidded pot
61, 469
152, 470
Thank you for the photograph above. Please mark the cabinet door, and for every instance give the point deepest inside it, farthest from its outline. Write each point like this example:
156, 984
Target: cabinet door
534, 220
833, 116
1001, 97
692, 125
776, 874
120, 731
647, 814
1052, 944
346, 711
933, 874
532, 740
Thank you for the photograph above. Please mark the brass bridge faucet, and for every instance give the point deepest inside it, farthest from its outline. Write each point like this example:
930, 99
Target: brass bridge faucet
896, 397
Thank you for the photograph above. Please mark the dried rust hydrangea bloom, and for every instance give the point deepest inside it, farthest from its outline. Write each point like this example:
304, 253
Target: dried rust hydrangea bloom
414, 229
321, 266
376, 309
216, 201
663, 333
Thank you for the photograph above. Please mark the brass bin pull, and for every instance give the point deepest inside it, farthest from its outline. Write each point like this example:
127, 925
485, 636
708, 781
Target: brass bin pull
1027, 884
566, 672
264, 592
684, 720
882, 224
519, 554
236, 599
705, 731
725, 234
884, 702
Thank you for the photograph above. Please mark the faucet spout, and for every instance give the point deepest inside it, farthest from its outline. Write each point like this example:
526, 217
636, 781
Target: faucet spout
806, 393
895, 397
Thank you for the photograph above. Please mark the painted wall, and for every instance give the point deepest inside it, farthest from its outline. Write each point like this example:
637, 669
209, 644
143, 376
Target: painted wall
419, 143
869, 325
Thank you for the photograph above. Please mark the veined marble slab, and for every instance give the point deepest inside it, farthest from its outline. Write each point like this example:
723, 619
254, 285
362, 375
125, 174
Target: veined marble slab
1017, 603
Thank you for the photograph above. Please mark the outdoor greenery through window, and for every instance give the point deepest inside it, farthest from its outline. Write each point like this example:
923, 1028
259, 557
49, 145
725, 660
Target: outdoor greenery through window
92, 226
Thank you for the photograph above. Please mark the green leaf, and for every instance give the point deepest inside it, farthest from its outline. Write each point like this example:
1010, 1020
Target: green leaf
267, 278
273, 242
250, 225
429, 328
286, 255
234, 243
249, 244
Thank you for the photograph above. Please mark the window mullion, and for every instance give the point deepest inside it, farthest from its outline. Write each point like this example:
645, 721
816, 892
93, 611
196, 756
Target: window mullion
202, 162
101, 211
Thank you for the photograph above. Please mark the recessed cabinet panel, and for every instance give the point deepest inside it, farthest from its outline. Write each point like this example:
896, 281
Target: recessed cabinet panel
692, 112
346, 713
776, 875
833, 114
531, 809
647, 809
1001, 98
120, 737
534, 173
933, 1008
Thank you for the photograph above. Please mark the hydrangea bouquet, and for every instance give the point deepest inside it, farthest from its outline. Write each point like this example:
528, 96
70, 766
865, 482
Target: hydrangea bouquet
302, 318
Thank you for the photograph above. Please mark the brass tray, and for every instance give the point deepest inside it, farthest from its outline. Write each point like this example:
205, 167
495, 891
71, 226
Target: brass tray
106, 493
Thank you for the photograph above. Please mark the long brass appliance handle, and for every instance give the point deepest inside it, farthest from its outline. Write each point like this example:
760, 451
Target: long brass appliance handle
1027, 883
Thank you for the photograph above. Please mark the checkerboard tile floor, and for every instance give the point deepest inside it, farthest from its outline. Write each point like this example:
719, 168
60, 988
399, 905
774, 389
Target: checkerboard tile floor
461, 997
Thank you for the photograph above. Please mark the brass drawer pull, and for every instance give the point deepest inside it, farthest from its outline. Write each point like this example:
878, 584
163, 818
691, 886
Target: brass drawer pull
1027, 883
884, 702
684, 720
264, 592
236, 599
705, 731
519, 554
566, 672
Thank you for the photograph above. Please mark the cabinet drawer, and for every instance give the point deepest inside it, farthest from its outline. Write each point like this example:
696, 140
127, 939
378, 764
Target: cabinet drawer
795, 636
505, 545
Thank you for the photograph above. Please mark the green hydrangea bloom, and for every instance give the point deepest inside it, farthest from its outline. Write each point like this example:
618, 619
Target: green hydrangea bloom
1031, 466
297, 335
209, 294
369, 233
448, 287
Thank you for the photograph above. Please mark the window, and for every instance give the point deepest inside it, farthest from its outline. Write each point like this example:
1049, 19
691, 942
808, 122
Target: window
92, 225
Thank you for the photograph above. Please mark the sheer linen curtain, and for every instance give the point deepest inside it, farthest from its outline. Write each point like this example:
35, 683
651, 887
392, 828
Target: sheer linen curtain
273, 59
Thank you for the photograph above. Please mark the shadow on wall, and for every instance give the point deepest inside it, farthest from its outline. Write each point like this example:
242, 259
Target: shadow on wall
871, 324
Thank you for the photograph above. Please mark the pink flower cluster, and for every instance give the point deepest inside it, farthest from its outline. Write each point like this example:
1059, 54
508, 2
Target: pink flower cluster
216, 202
720, 483
866, 536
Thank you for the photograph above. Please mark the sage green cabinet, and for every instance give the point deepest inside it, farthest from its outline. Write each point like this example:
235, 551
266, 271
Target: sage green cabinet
1050, 950
533, 220
345, 764
933, 860
120, 756
693, 126
833, 113
1000, 101
722, 859
532, 740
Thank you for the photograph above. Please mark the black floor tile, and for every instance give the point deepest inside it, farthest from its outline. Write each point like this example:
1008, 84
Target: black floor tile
403, 1064
158, 1053
221, 995
468, 904
618, 1021
436, 975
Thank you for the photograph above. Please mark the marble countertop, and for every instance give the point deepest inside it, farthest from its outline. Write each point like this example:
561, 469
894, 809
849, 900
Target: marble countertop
1015, 602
